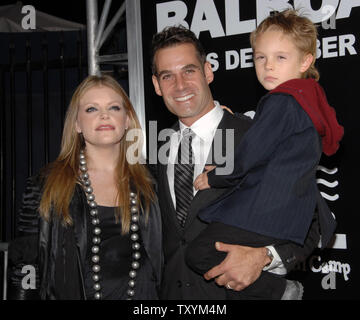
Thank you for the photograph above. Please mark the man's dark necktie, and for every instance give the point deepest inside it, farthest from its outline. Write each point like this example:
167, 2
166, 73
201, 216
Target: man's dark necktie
184, 172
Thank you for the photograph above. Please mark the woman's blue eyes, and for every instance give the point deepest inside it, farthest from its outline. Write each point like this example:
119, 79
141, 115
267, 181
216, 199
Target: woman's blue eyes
92, 109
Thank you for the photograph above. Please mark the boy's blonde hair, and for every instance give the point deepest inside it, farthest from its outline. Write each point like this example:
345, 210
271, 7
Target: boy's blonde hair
301, 29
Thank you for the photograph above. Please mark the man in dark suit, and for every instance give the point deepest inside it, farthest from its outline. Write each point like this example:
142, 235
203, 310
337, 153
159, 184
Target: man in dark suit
181, 75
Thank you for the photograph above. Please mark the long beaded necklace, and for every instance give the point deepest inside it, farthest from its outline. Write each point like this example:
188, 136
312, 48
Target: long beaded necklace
95, 221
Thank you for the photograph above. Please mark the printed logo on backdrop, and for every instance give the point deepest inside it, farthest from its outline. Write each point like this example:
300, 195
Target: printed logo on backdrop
328, 189
330, 270
206, 18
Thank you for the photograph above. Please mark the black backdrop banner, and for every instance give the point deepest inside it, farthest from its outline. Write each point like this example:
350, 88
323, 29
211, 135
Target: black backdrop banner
224, 28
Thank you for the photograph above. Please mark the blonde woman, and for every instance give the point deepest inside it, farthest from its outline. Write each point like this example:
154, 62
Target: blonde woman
90, 223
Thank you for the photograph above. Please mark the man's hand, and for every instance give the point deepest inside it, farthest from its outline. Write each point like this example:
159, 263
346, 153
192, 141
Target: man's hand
241, 267
201, 181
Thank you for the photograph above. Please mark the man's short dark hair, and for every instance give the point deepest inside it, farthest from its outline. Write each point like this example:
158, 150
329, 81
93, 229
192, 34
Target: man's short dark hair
172, 36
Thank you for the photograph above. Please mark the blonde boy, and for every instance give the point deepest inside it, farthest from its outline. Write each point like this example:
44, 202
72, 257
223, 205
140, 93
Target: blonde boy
274, 194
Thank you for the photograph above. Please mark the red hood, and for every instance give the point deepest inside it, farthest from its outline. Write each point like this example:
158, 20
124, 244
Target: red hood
311, 96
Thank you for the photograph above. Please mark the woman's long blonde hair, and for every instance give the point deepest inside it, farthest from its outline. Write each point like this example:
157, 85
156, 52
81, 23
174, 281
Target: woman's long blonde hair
63, 174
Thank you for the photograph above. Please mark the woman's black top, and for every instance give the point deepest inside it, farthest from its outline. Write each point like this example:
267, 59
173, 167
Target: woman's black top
115, 260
